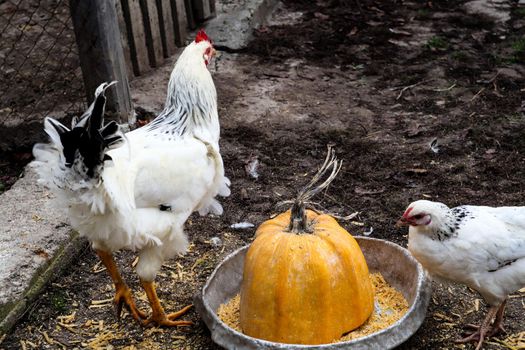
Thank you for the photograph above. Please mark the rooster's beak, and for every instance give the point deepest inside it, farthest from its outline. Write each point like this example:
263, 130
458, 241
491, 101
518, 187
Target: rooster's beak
402, 222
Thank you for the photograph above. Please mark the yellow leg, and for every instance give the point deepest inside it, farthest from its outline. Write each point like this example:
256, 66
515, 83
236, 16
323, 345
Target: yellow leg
122, 291
158, 316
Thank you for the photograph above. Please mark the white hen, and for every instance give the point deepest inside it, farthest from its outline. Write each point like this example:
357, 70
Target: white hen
136, 191
481, 247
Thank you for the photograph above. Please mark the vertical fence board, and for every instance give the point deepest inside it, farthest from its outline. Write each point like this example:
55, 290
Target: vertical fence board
100, 52
162, 28
124, 38
189, 14
154, 40
213, 8
180, 21
202, 9
168, 28
139, 37
150, 30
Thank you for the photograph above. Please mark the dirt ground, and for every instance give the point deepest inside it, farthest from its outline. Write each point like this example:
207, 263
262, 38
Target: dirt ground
379, 80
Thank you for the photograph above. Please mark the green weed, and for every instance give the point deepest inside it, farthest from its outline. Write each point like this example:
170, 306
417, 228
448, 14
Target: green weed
437, 42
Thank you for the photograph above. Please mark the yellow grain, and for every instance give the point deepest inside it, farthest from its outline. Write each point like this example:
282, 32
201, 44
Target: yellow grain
69, 327
48, 338
514, 341
100, 340
150, 331
100, 302
68, 318
391, 303
97, 268
31, 344
440, 316
229, 313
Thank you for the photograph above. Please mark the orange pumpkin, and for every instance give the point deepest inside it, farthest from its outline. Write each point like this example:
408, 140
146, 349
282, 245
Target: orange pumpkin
305, 278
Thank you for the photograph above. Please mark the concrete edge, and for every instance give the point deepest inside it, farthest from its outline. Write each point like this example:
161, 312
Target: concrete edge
46, 274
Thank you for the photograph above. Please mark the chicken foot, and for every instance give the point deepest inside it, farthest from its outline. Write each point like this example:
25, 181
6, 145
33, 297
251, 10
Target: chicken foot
158, 316
486, 329
123, 294
497, 327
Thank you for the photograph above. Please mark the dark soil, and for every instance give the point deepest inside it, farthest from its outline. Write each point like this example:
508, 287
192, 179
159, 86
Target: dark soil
380, 81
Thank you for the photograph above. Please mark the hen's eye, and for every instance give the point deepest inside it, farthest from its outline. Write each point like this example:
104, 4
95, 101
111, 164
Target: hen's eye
418, 216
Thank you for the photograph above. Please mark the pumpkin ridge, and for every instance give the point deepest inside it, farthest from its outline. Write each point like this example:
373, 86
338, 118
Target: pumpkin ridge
255, 254
327, 296
340, 262
340, 234
281, 288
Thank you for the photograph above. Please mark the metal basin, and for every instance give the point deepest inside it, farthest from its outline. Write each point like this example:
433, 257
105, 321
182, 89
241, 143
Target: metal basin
395, 263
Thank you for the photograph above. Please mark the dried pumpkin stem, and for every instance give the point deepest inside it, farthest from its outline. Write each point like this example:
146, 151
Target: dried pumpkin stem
298, 221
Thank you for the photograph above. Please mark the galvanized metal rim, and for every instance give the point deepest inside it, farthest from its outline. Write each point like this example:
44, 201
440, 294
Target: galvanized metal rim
423, 293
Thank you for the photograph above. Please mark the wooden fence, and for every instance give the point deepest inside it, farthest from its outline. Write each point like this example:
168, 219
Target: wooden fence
120, 39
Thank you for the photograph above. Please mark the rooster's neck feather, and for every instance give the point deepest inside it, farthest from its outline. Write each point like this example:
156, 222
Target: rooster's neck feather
191, 102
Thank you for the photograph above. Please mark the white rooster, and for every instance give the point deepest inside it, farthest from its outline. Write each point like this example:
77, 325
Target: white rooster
136, 191
481, 247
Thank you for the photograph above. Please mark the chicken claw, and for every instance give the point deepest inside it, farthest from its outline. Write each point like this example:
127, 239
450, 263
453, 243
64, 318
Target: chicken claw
483, 331
168, 320
494, 330
122, 291
123, 296
486, 330
158, 316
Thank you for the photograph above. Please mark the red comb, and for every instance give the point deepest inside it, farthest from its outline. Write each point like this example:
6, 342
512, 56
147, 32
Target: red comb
201, 36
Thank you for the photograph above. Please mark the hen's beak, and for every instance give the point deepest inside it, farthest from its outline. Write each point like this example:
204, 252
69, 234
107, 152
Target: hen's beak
402, 222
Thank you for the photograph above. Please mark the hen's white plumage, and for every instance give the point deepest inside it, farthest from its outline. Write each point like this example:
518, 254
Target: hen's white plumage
482, 247
136, 191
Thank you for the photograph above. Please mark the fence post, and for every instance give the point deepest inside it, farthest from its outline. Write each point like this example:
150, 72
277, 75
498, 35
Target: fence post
203, 9
101, 54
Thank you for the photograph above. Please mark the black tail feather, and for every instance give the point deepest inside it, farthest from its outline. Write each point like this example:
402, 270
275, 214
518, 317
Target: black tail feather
113, 141
109, 128
96, 119
90, 138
